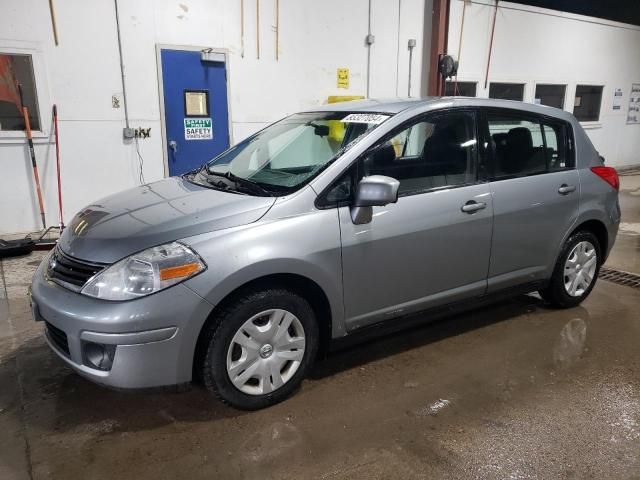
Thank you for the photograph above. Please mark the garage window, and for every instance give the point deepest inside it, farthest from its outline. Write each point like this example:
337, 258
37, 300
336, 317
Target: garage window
550, 95
586, 106
507, 91
461, 89
17, 69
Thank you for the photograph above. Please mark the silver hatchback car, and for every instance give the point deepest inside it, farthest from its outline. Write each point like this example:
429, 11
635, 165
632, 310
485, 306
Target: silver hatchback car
318, 226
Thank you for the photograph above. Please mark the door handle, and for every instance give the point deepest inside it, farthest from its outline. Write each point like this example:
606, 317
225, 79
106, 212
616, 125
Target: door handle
566, 189
472, 206
173, 145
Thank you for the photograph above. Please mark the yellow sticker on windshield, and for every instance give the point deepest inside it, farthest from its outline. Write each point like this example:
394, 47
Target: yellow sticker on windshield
374, 118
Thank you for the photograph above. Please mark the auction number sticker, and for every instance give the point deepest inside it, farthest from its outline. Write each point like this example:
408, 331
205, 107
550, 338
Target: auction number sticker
374, 118
198, 129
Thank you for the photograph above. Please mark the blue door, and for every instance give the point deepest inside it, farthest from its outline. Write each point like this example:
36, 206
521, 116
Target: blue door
196, 110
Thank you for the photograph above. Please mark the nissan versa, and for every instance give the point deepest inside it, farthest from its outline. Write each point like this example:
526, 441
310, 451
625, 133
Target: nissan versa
321, 224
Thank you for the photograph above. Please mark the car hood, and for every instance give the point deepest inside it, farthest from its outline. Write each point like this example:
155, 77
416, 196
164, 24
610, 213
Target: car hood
164, 211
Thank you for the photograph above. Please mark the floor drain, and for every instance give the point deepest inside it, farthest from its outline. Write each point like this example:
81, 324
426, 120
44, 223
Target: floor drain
620, 277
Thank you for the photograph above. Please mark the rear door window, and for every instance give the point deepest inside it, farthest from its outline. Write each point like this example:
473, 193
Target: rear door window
523, 145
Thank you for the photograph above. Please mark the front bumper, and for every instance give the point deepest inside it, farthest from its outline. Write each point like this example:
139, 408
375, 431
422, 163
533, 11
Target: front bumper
154, 336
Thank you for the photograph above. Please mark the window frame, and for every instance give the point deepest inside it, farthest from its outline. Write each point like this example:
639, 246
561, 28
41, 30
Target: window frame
488, 152
551, 84
184, 102
589, 123
471, 82
515, 82
35, 50
357, 165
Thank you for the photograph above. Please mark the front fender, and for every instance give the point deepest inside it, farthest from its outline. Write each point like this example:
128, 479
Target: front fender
307, 245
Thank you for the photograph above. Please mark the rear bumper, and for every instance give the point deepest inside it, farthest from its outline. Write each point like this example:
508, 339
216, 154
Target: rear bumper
154, 337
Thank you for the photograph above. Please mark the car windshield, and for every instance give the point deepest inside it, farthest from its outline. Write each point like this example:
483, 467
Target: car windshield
286, 155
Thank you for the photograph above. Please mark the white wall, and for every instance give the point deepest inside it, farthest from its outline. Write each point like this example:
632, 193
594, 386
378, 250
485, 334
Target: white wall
82, 73
534, 45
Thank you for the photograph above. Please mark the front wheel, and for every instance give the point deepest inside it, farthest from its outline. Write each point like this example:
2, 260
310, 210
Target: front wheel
259, 348
575, 272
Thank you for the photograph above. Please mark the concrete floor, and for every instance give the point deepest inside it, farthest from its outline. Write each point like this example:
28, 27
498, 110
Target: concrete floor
626, 252
511, 391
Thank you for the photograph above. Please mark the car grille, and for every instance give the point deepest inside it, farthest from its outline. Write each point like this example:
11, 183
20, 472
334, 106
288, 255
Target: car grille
58, 338
69, 270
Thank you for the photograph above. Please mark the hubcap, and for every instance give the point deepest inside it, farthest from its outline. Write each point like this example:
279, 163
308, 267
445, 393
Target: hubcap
580, 268
266, 352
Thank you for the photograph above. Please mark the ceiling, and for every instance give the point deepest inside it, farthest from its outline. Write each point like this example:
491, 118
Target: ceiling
627, 11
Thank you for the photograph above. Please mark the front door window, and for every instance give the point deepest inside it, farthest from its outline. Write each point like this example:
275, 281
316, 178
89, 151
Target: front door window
434, 152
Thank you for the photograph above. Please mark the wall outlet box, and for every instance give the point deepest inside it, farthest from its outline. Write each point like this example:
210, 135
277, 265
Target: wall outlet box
128, 133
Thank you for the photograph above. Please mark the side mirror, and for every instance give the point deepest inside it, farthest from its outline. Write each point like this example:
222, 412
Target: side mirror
373, 191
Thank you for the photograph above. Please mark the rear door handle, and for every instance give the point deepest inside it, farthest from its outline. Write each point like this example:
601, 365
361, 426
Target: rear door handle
565, 189
472, 206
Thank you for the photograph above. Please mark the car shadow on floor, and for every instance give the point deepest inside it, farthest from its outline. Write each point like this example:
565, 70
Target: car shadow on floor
373, 345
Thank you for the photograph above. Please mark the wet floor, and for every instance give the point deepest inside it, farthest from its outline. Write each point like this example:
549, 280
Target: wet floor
515, 390
626, 252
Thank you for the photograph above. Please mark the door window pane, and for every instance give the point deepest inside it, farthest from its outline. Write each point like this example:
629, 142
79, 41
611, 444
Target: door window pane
196, 103
507, 91
550, 95
437, 151
586, 106
17, 70
556, 151
461, 89
518, 146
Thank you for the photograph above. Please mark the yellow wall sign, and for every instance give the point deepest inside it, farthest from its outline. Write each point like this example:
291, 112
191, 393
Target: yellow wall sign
343, 78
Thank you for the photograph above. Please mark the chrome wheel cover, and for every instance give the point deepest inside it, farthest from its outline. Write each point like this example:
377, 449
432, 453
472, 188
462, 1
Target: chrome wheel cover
580, 268
266, 352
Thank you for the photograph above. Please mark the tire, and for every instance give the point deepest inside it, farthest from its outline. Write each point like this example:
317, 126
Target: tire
246, 341
563, 291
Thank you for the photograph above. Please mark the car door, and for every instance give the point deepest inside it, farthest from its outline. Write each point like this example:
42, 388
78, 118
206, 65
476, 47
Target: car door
535, 190
432, 246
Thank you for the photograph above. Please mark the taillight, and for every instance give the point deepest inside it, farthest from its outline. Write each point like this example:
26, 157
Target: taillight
609, 175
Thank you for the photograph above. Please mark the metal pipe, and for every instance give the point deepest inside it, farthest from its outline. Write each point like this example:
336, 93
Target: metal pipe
277, 30
242, 28
411, 47
464, 9
54, 25
398, 49
455, 82
258, 29
493, 29
124, 90
438, 46
369, 51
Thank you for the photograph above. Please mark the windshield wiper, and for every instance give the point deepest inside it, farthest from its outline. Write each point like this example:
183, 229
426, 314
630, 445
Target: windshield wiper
247, 185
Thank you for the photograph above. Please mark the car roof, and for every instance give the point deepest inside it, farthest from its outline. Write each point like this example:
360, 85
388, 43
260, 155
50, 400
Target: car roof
391, 105
397, 105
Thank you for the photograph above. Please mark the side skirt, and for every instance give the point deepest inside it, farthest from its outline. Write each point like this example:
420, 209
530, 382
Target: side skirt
405, 322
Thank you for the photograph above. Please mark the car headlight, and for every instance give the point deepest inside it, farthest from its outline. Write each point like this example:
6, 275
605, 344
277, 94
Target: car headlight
145, 272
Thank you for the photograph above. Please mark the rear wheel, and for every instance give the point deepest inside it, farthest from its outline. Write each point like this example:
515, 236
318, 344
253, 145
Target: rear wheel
575, 272
259, 348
